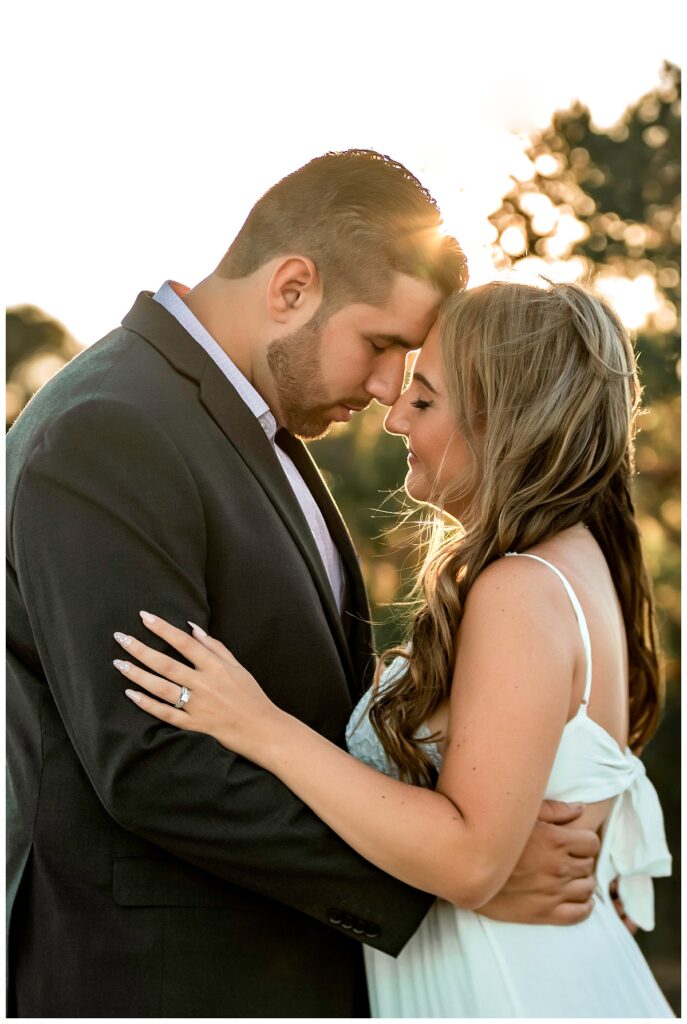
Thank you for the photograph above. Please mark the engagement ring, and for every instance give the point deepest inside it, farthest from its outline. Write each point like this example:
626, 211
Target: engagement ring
183, 698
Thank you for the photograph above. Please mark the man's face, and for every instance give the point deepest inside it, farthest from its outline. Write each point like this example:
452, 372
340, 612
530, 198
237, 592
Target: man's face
327, 370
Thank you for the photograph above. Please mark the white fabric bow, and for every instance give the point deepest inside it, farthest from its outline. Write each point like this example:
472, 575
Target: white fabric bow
638, 850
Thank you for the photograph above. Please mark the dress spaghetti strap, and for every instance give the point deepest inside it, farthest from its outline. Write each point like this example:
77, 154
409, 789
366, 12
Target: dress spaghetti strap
579, 614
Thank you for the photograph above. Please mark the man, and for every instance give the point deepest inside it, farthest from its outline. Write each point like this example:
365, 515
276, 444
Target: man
153, 873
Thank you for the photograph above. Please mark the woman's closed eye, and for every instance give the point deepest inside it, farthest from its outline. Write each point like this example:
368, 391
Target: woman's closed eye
420, 403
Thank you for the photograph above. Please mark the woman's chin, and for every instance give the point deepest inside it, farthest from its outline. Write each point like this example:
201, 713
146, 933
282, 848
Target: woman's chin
415, 487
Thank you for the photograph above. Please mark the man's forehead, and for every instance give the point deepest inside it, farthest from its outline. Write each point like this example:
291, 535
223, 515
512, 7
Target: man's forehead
418, 297
406, 325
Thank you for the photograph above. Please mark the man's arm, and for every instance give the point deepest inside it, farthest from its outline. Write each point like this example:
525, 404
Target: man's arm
106, 520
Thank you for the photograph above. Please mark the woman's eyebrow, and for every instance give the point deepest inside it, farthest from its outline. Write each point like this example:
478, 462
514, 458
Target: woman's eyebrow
423, 380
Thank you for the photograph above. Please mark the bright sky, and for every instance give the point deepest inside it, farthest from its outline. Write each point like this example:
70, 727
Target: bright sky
140, 133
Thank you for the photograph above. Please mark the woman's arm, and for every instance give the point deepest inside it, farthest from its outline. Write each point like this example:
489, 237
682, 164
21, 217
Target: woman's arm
511, 692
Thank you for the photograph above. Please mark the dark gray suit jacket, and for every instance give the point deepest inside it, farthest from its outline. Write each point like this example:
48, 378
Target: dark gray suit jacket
151, 872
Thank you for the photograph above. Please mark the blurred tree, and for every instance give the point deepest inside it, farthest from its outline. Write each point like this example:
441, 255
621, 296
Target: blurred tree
608, 204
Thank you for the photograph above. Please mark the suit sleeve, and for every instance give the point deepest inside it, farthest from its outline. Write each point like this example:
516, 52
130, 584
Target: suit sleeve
107, 520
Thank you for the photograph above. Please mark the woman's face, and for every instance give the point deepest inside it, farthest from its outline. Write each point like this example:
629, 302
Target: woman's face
438, 454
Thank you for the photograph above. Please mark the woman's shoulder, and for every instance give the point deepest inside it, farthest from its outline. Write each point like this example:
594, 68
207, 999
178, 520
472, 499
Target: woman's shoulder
541, 574
519, 604
521, 584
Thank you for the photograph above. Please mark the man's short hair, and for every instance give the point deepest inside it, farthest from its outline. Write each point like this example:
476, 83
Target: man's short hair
360, 217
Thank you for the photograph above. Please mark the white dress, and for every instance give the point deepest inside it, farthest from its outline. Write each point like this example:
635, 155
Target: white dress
461, 964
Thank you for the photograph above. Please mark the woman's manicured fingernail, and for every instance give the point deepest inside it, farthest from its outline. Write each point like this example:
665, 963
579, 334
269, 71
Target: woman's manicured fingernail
132, 695
123, 666
123, 639
147, 617
197, 631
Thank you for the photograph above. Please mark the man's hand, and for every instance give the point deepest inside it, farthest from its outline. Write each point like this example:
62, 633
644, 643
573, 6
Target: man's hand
553, 881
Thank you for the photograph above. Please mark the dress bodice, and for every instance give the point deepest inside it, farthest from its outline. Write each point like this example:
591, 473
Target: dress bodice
589, 766
361, 739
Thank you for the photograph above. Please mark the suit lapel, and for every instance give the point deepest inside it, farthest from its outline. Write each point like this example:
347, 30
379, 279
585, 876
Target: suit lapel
243, 431
357, 612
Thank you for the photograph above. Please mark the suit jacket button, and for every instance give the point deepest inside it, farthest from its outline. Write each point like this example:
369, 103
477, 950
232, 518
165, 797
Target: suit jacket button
347, 922
358, 929
372, 932
334, 916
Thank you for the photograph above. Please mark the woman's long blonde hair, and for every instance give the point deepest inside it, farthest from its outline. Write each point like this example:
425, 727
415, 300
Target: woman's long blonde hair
543, 386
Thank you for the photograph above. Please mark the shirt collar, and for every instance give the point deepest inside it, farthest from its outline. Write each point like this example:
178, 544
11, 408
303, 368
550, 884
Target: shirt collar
170, 295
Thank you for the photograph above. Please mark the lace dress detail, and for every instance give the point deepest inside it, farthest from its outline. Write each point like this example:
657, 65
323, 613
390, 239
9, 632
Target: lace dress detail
362, 740
461, 964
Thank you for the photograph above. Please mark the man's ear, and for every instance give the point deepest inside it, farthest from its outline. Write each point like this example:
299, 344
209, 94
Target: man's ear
294, 291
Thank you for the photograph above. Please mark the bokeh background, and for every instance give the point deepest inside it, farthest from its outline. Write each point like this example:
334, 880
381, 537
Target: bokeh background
142, 134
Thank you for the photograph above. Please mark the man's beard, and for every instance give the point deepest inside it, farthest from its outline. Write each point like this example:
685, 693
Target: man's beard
295, 365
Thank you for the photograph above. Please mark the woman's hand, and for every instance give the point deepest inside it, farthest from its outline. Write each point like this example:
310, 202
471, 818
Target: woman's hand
221, 697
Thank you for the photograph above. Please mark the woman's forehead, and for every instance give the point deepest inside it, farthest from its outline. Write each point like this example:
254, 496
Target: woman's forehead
429, 355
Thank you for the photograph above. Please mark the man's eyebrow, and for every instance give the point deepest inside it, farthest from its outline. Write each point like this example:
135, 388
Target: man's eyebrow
423, 380
396, 339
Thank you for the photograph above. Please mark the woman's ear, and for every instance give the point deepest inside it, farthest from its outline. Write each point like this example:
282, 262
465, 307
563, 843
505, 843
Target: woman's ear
294, 292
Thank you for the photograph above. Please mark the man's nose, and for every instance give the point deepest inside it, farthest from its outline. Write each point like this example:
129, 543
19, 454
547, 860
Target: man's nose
396, 421
385, 383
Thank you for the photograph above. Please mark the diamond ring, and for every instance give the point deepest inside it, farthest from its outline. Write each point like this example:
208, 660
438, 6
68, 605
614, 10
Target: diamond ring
183, 698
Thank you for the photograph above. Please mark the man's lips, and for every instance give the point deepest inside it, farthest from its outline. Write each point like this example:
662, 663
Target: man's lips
348, 410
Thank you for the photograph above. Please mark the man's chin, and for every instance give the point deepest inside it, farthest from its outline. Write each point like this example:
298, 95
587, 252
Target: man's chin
312, 431
310, 428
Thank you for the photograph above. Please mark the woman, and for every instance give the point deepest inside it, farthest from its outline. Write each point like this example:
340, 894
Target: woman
519, 422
